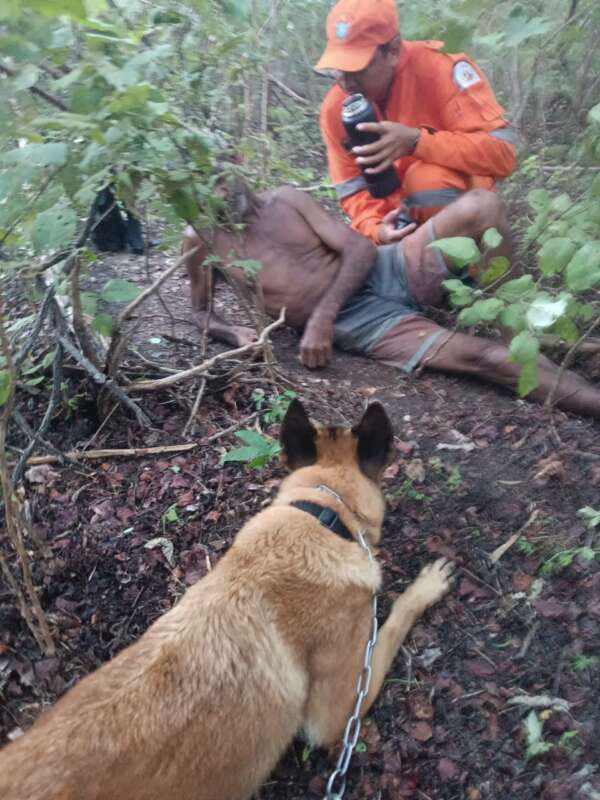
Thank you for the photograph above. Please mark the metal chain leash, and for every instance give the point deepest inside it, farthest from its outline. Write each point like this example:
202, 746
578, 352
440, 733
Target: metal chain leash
336, 785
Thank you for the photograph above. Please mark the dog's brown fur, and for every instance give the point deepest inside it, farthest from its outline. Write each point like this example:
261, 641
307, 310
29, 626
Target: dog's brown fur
269, 643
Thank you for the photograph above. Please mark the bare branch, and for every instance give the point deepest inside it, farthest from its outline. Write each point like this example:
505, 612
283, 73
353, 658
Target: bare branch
171, 380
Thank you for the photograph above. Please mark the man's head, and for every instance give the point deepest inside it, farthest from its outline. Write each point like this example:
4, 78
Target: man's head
363, 46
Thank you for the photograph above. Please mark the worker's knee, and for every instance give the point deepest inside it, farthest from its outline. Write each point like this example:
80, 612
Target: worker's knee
481, 209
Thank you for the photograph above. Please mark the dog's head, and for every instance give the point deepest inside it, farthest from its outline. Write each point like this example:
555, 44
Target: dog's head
349, 460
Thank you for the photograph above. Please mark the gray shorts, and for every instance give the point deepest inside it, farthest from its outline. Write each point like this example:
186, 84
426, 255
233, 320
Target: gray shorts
384, 300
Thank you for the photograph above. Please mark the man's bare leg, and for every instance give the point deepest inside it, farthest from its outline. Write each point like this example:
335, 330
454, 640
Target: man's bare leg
201, 289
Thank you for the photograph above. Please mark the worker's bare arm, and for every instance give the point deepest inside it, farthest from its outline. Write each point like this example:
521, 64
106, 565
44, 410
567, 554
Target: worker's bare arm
356, 259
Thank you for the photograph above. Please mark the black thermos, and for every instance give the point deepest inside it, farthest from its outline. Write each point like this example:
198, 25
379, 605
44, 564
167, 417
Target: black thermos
356, 108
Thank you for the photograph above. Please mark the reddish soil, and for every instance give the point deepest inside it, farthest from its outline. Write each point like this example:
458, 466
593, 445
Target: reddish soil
443, 726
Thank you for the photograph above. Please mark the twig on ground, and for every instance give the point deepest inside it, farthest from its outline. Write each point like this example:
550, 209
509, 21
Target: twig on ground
528, 640
128, 311
126, 452
14, 522
497, 554
171, 380
195, 407
47, 419
101, 379
230, 429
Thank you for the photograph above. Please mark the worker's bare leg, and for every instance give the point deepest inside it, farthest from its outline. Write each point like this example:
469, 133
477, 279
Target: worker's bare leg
201, 291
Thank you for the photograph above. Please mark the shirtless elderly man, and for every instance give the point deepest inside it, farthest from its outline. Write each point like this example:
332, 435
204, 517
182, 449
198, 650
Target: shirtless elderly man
342, 290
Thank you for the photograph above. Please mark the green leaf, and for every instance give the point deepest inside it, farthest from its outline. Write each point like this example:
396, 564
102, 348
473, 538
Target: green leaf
118, 290
460, 293
594, 114
59, 8
518, 28
4, 386
491, 238
583, 270
497, 267
53, 154
103, 324
555, 255
27, 77
538, 199
517, 289
513, 316
561, 204
524, 348
481, 311
461, 250
565, 329
88, 302
255, 439
590, 516
249, 265
528, 379
239, 454
54, 228
544, 311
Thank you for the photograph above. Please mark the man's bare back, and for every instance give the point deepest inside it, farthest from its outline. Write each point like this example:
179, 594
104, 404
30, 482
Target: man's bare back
297, 267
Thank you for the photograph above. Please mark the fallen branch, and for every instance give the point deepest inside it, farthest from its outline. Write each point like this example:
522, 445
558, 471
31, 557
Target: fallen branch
171, 380
101, 379
128, 311
45, 423
540, 701
126, 452
14, 522
497, 554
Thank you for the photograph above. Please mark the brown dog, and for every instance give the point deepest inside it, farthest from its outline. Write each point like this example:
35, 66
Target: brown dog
269, 643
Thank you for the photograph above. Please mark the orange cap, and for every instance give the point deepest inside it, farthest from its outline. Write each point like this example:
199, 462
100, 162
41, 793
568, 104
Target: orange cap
355, 28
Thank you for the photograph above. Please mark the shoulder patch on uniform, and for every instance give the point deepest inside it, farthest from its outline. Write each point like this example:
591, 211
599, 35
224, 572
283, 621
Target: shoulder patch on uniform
465, 75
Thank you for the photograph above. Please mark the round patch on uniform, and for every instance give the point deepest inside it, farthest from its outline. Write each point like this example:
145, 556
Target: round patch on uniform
341, 29
465, 75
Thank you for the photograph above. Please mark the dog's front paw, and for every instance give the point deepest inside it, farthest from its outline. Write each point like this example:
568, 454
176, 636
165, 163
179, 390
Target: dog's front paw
435, 580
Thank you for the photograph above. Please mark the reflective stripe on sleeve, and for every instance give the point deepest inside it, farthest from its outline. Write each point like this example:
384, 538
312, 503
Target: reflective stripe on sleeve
351, 186
504, 134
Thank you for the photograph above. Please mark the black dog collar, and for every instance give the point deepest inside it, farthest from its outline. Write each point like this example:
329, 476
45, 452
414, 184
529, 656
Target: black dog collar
326, 516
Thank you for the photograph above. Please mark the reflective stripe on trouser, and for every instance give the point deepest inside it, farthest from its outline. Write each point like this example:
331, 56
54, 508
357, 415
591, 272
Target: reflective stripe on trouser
427, 188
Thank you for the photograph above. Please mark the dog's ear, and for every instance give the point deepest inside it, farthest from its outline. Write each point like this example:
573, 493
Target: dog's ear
375, 441
297, 437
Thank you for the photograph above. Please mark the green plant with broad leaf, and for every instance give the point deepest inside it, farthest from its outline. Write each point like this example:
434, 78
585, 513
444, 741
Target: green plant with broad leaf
258, 450
559, 299
536, 745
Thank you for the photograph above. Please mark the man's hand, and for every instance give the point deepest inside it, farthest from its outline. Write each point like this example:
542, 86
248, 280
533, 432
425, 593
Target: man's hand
387, 233
316, 343
395, 140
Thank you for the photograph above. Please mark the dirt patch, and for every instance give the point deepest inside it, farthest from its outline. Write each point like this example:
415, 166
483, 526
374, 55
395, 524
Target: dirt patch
127, 537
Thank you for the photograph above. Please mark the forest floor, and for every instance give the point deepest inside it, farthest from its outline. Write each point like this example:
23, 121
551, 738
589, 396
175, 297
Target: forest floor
473, 466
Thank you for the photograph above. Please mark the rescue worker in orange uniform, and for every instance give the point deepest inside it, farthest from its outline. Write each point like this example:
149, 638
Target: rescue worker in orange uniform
440, 125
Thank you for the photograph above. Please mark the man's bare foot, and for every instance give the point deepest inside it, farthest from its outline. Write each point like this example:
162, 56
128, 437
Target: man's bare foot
235, 335
242, 335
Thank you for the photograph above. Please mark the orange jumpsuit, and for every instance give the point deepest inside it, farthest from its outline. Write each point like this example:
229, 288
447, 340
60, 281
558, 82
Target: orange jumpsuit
465, 141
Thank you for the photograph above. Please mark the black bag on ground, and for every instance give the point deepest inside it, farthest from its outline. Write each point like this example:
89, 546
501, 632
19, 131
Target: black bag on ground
111, 233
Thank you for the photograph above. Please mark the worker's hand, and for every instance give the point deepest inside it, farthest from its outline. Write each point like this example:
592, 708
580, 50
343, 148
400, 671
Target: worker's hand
387, 233
395, 140
316, 343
